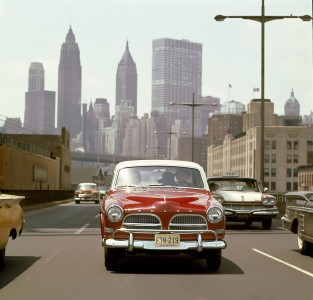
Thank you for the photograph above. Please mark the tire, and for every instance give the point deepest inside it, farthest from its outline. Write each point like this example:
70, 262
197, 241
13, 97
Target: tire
248, 223
267, 224
213, 259
110, 259
304, 246
77, 201
2, 256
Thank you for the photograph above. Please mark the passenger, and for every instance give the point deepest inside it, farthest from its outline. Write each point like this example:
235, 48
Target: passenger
182, 178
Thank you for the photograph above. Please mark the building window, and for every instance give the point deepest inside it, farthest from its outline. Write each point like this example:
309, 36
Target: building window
266, 158
295, 145
288, 174
295, 158
273, 145
273, 172
273, 158
266, 172
295, 186
288, 186
289, 160
273, 186
267, 145
295, 172
289, 145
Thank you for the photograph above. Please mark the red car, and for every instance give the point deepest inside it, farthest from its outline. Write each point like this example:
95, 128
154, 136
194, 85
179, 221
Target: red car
161, 207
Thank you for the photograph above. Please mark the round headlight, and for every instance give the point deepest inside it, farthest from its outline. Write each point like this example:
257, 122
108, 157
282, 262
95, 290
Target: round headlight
218, 198
269, 201
215, 214
115, 213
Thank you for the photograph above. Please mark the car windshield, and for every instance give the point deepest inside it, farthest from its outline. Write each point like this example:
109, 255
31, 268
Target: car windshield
159, 176
86, 186
240, 184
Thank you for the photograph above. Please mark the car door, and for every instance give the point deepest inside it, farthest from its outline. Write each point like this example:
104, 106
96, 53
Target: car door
308, 217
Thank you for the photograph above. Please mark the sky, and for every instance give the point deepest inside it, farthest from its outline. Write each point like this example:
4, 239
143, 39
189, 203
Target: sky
34, 30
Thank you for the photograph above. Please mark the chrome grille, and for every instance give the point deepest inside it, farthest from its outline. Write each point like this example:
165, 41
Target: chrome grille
237, 207
188, 222
142, 221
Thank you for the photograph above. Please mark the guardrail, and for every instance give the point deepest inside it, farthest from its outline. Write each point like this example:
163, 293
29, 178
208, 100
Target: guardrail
37, 197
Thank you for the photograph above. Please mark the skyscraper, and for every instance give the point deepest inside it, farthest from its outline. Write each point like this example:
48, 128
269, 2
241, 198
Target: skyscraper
176, 77
39, 116
69, 86
126, 80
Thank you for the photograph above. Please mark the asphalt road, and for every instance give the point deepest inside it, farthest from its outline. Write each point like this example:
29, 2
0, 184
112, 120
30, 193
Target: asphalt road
59, 256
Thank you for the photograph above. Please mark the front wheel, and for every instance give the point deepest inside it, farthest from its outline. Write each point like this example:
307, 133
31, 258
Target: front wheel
267, 224
2, 256
304, 246
110, 258
213, 259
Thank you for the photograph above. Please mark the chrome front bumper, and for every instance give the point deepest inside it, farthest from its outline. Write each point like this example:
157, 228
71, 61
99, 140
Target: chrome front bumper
131, 244
272, 212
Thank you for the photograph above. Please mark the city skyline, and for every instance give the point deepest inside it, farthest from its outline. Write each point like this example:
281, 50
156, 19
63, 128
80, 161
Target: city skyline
100, 55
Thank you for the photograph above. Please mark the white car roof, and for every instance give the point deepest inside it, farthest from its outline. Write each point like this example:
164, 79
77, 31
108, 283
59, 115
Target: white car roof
161, 163
158, 162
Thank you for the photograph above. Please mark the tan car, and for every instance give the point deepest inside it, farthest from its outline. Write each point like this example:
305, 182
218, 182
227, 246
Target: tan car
11, 220
87, 191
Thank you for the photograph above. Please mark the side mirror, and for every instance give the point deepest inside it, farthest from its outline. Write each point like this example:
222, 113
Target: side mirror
265, 189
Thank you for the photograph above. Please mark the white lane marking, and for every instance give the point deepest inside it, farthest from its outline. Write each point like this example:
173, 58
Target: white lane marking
80, 230
97, 216
283, 262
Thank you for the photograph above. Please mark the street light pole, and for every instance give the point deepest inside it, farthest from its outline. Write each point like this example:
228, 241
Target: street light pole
170, 133
263, 19
193, 105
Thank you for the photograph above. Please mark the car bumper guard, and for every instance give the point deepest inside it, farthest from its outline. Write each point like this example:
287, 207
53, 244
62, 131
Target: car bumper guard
130, 244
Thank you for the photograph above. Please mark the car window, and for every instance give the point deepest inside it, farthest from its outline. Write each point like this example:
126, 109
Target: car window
221, 184
159, 176
86, 186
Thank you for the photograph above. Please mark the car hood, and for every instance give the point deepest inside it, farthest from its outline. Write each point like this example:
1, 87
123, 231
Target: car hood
160, 200
240, 196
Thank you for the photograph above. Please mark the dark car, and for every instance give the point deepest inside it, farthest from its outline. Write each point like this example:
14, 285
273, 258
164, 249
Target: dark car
161, 207
298, 218
244, 199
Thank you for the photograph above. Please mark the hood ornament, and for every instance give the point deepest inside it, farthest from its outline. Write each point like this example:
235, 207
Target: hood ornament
164, 198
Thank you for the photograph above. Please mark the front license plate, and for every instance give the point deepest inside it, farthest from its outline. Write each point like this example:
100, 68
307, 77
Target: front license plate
243, 216
167, 240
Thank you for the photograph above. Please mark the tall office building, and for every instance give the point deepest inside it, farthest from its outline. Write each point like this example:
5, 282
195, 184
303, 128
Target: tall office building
126, 80
39, 116
176, 77
69, 86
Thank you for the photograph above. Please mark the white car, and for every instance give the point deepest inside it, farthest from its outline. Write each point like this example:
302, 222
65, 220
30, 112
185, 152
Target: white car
244, 200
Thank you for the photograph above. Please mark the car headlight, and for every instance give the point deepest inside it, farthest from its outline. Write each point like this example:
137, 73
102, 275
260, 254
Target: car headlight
269, 201
215, 214
114, 213
218, 198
